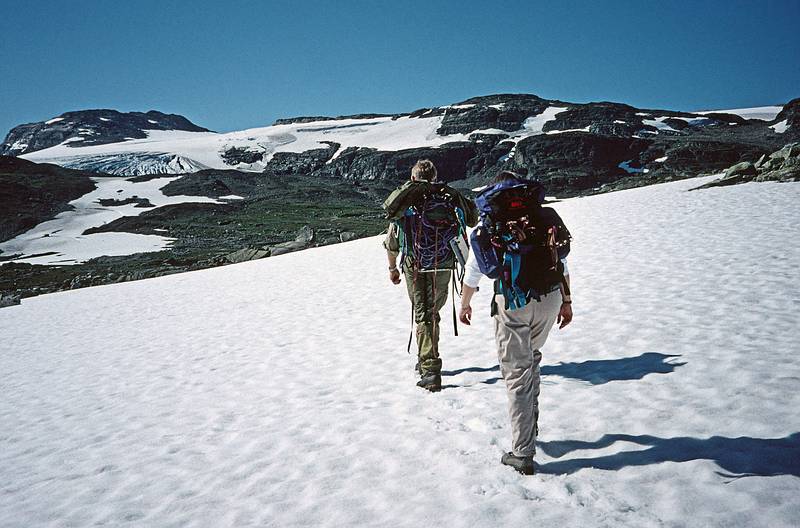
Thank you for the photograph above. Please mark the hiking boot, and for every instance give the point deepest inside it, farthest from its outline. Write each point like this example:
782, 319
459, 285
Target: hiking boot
417, 369
431, 381
523, 464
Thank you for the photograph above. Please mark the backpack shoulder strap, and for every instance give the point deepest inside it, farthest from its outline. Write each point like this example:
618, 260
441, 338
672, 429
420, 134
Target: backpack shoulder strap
401, 198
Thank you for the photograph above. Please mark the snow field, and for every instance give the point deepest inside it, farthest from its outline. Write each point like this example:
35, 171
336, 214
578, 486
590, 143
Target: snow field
278, 392
61, 241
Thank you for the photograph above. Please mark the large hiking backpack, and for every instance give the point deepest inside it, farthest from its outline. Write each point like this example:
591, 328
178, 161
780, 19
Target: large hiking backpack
520, 243
431, 223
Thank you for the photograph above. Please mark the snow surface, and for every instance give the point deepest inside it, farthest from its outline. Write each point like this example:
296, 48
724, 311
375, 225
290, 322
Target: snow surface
659, 124
535, 125
278, 392
781, 127
764, 113
61, 241
54, 120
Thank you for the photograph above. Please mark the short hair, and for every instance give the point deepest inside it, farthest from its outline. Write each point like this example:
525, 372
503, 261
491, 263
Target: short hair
424, 169
507, 175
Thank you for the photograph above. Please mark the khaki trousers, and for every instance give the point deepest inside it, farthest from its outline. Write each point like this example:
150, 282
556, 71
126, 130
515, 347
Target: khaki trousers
520, 334
428, 293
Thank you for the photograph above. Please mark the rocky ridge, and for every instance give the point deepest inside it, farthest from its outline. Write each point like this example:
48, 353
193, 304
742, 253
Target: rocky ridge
780, 166
90, 127
574, 147
583, 148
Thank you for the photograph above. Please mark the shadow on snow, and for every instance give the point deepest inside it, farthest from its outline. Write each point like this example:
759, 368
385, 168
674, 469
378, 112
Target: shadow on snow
739, 457
596, 371
599, 371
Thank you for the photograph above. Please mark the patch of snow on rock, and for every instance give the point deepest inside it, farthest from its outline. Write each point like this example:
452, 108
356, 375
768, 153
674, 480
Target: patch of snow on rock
781, 127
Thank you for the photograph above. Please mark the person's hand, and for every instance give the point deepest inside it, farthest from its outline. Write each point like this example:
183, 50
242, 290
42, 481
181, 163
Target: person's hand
394, 276
465, 315
564, 315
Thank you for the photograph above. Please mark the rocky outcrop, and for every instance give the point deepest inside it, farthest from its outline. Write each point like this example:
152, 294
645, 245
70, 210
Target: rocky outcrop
451, 160
305, 237
236, 155
789, 118
243, 255
31, 193
577, 160
140, 202
91, 127
9, 299
503, 112
781, 166
283, 163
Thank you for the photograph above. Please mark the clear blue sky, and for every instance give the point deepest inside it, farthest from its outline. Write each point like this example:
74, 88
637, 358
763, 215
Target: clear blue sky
237, 64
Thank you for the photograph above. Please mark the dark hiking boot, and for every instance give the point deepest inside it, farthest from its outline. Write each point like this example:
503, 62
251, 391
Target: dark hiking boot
523, 464
431, 382
417, 369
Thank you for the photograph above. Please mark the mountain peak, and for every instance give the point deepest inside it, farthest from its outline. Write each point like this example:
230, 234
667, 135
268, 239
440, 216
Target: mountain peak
91, 127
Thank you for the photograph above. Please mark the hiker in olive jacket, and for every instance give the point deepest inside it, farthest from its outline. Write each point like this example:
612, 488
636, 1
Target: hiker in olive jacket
427, 278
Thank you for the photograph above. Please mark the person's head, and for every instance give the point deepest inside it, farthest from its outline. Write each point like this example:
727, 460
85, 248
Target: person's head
423, 170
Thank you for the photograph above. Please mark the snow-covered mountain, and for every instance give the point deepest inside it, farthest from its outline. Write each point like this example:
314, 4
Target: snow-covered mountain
91, 127
579, 145
278, 392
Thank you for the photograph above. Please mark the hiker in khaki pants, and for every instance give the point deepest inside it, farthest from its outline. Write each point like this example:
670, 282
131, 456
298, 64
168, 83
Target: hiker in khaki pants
427, 263
520, 332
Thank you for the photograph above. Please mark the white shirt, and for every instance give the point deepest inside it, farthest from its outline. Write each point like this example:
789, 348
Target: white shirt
472, 273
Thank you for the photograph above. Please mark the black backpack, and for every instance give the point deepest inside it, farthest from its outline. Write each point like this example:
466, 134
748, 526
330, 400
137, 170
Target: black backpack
520, 243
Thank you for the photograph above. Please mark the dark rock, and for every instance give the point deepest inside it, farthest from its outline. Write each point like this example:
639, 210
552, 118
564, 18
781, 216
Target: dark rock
347, 236
610, 119
214, 183
9, 299
93, 127
487, 138
790, 114
283, 163
369, 164
745, 168
577, 160
140, 202
237, 155
677, 124
31, 193
503, 112
246, 254
782, 166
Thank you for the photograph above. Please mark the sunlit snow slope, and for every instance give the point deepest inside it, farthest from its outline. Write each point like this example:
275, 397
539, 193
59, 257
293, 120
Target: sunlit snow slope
173, 151
278, 392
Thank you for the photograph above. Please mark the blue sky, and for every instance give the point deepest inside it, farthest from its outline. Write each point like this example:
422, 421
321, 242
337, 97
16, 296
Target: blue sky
238, 64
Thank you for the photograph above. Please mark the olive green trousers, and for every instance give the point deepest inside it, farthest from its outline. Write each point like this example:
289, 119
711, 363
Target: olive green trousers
427, 291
